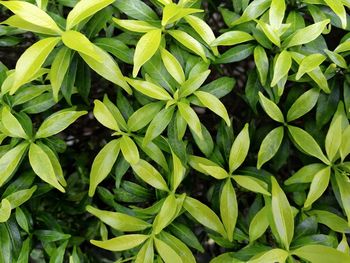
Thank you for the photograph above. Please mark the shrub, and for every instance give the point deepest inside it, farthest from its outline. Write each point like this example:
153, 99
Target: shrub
185, 131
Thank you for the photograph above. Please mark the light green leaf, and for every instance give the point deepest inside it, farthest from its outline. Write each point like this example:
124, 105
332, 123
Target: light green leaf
231, 38
305, 174
135, 25
146, 48
146, 253
229, 208
189, 42
104, 116
129, 150
10, 160
150, 175
262, 63
239, 149
259, 224
107, 68
57, 122
103, 164
345, 145
333, 138
78, 42
338, 8
59, 69
121, 243
251, 183
282, 66
119, 221
173, 66
191, 118
271, 108
308, 144
165, 215
149, 89
303, 104
253, 10
42, 166
84, 9
193, 84
270, 33
212, 169
282, 214
318, 185
321, 254
276, 14
270, 145
309, 63
167, 253
32, 14
158, 124
214, 104
31, 61
5, 210
178, 171
140, 118
343, 184
11, 125
331, 220
273, 255
204, 215
306, 34
20, 197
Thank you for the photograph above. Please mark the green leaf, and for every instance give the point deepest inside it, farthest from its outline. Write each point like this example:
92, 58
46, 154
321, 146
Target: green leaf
309, 63
121, 243
193, 84
318, 185
321, 254
59, 69
282, 66
270, 146
306, 34
137, 9
270, 33
149, 89
178, 171
104, 116
31, 61
107, 68
103, 164
232, 38
22, 219
165, 215
214, 104
331, 220
5, 210
146, 253
273, 255
345, 145
253, 10
344, 190
236, 54
135, 25
271, 108
32, 14
84, 9
129, 150
204, 215
252, 184
146, 48
19, 197
119, 221
191, 118
10, 161
276, 13
303, 104
239, 149
259, 224
78, 42
173, 66
158, 124
25, 250
57, 122
333, 138
229, 208
209, 168
338, 8
282, 214
140, 118
167, 253
308, 144
189, 42
262, 63
42, 166
11, 125
150, 175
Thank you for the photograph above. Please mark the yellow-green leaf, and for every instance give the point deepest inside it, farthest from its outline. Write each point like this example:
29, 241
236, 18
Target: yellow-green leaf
129, 150
191, 118
239, 149
149, 89
11, 125
166, 252
281, 68
165, 215
104, 116
121, 243
232, 38
173, 66
135, 25
5, 210
229, 208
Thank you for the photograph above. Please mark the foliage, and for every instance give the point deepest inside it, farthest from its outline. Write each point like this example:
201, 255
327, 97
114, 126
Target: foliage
185, 131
